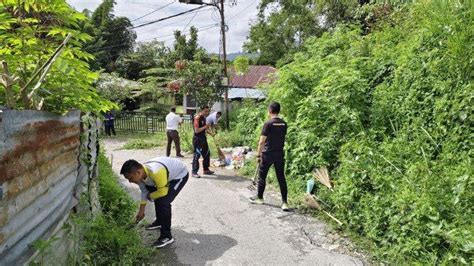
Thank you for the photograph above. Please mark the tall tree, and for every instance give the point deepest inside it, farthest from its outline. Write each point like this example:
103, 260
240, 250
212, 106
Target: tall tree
283, 26
112, 36
147, 55
185, 48
103, 13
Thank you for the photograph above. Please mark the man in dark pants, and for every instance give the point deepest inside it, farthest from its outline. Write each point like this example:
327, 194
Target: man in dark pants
160, 180
172, 123
109, 123
201, 148
270, 152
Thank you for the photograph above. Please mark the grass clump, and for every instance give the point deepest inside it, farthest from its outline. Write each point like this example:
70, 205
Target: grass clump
107, 239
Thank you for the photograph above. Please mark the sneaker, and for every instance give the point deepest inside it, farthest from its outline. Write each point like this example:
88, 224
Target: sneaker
180, 156
208, 172
196, 175
256, 200
162, 242
285, 207
153, 226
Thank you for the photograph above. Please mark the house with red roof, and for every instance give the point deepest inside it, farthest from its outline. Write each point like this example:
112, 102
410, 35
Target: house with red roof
241, 86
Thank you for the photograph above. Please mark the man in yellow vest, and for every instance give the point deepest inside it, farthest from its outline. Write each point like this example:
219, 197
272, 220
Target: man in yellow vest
160, 180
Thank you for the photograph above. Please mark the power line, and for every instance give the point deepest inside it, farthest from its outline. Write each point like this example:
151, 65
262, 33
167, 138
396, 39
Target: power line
245, 8
167, 35
165, 18
215, 17
154, 11
169, 24
98, 49
140, 3
200, 30
189, 21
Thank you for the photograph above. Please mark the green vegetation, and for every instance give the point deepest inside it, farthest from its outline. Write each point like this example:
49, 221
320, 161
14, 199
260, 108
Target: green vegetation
111, 36
116, 89
30, 32
387, 110
108, 239
241, 64
145, 141
280, 32
186, 140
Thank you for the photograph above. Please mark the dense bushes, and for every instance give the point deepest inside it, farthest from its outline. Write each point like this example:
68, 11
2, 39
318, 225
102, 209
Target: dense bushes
389, 113
246, 122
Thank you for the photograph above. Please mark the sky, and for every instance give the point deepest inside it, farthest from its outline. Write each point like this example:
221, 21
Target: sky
238, 19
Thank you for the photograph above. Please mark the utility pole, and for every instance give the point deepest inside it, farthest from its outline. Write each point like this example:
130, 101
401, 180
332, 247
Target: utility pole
220, 6
224, 63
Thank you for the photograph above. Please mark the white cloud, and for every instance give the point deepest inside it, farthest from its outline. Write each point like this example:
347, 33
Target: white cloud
237, 18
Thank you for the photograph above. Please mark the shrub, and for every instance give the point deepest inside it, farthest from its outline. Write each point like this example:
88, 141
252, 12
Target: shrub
186, 140
108, 239
388, 113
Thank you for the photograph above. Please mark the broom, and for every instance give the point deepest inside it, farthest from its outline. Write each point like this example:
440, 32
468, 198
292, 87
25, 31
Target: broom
311, 202
219, 151
253, 186
322, 176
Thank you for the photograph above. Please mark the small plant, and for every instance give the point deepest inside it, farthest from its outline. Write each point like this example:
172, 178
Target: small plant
44, 249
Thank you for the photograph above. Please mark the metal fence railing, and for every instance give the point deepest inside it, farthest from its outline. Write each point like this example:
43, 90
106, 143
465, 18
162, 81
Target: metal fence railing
145, 122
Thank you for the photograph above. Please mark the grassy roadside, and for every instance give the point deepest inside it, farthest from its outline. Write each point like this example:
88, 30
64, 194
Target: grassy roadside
107, 240
142, 140
138, 141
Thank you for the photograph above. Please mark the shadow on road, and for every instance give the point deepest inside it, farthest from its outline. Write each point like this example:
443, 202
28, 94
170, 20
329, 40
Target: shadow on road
224, 178
191, 248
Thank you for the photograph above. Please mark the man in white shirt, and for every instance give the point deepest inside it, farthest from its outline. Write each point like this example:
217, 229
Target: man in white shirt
213, 118
172, 123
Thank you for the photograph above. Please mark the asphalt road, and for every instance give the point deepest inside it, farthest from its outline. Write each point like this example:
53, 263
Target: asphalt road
213, 223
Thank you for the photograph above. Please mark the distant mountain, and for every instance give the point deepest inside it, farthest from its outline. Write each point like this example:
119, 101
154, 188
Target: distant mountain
232, 56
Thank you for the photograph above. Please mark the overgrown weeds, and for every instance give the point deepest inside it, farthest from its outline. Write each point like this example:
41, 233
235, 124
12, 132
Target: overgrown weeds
388, 113
107, 239
145, 141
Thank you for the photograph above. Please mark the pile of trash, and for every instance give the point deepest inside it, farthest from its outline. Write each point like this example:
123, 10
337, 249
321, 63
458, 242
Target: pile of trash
234, 157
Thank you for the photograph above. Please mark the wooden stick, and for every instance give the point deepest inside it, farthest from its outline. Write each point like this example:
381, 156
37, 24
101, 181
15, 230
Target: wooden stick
332, 217
312, 203
323, 202
48, 61
46, 68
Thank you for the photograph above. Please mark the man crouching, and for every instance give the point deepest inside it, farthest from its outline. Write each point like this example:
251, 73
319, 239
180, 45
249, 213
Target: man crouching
160, 180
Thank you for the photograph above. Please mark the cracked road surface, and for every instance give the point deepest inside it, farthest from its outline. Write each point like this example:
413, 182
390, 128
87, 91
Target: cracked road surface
213, 223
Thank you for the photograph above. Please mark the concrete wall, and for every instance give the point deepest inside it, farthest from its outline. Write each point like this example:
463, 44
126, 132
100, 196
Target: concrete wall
42, 177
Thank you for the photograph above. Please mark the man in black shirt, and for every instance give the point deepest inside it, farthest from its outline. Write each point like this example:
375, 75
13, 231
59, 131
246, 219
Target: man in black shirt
201, 148
270, 152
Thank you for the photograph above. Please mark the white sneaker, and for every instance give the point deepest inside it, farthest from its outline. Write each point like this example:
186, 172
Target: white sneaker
162, 242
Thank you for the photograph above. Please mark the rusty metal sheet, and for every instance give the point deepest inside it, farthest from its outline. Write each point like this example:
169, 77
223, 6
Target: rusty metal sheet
39, 162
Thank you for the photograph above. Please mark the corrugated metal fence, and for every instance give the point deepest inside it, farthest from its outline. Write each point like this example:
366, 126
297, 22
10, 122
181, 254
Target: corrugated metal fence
145, 122
42, 176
